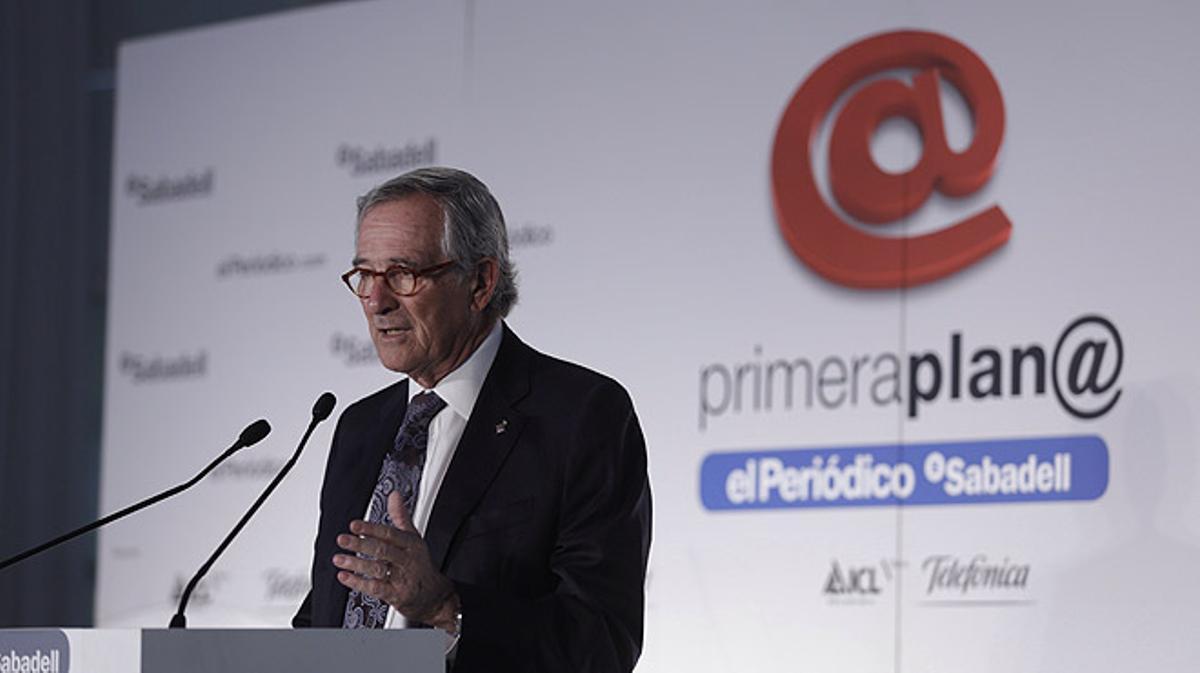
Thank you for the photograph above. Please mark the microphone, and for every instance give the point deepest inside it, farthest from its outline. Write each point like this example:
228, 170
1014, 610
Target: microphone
250, 436
320, 411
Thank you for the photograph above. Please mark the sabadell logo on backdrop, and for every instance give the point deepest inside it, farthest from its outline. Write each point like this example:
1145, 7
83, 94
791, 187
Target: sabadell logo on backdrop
813, 228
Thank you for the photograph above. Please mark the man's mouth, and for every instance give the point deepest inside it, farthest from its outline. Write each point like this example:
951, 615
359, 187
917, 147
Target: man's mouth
390, 331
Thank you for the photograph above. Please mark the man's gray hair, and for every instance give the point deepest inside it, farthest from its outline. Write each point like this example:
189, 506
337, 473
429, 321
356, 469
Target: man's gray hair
473, 226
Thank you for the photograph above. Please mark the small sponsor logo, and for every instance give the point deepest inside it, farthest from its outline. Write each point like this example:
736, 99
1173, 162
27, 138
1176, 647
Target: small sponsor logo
248, 469
363, 161
157, 369
284, 585
273, 263
352, 350
977, 580
859, 584
147, 190
203, 593
34, 651
530, 235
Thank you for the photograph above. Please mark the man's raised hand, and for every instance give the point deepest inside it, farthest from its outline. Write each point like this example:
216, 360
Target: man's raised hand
397, 568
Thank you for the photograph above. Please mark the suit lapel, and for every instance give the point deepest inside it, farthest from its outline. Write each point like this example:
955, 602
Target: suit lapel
491, 431
378, 443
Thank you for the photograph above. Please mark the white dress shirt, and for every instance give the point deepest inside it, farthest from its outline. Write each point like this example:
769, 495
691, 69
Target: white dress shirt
459, 389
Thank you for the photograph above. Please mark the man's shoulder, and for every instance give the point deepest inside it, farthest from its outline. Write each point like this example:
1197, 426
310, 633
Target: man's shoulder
374, 403
564, 383
551, 369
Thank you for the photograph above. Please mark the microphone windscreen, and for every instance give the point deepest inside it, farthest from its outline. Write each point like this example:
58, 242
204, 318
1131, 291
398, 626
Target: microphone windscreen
324, 406
254, 432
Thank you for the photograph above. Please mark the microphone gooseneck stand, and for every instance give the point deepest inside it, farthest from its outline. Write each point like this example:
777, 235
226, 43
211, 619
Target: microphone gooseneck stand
320, 411
251, 435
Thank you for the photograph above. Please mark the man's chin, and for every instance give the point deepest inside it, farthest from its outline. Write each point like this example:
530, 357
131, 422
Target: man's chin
392, 359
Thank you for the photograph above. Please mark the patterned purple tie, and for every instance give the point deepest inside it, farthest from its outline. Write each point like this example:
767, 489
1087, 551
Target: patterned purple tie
401, 472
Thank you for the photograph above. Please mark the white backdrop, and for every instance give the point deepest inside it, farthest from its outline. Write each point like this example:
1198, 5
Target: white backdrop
631, 148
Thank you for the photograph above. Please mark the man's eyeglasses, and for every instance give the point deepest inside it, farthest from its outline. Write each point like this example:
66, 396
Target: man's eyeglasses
400, 279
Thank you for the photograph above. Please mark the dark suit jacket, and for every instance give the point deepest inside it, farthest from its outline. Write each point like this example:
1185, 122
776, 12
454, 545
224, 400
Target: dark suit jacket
542, 520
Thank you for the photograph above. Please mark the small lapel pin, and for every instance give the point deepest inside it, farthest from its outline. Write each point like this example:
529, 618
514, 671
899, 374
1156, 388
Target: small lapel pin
501, 426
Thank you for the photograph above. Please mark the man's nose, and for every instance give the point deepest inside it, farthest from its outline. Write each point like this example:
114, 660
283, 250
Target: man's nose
380, 299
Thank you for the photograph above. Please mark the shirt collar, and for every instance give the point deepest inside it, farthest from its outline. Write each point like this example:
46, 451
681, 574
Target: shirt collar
460, 388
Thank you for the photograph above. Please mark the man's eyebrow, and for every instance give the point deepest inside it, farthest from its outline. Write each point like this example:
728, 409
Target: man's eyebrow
392, 261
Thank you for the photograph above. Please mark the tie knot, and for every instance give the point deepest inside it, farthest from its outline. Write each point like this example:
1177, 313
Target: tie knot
422, 408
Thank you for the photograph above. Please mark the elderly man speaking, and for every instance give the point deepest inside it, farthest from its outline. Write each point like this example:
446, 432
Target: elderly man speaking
495, 493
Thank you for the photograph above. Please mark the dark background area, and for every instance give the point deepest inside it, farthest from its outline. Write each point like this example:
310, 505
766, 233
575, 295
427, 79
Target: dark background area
57, 91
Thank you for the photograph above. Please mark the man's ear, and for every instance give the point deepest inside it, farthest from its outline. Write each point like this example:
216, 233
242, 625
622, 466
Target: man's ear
483, 283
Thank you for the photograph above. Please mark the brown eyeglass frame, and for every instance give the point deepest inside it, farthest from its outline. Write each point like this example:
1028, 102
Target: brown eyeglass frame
417, 274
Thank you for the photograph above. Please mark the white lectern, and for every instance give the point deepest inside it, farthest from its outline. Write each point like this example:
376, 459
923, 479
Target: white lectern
221, 650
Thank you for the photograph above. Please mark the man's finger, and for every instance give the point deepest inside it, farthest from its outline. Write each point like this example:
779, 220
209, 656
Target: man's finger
399, 513
384, 550
371, 569
375, 588
379, 531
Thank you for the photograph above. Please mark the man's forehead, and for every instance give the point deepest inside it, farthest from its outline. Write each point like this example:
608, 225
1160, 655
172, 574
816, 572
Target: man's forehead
417, 209
407, 231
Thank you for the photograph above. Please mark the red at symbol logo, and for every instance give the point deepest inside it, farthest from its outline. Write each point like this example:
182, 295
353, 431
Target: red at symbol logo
817, 234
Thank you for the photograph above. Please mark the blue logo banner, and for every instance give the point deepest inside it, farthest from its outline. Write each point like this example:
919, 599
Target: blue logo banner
978, 471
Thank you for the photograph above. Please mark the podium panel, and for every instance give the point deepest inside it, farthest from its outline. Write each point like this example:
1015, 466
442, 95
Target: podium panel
291, 651
219, 650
